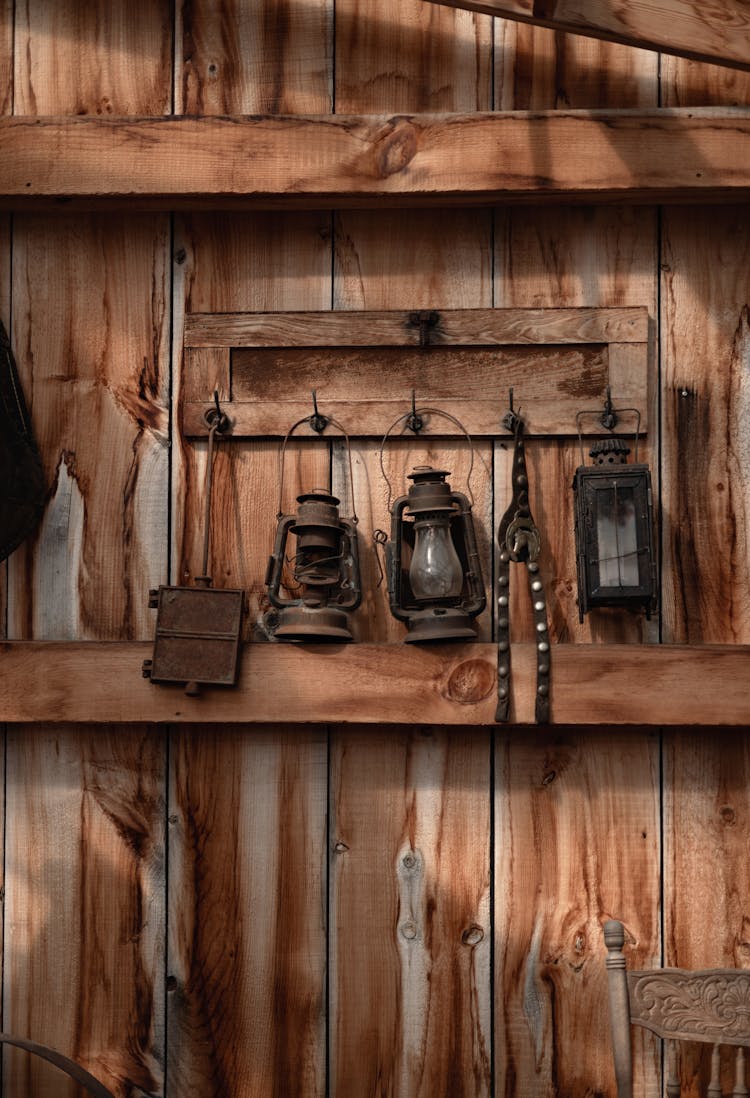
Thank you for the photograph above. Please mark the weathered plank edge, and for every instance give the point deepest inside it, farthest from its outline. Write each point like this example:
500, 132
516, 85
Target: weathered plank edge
321, 161
687, 29
382, 684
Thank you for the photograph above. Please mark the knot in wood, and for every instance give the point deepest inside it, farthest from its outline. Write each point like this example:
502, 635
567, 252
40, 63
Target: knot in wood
395, 150
473, 935
470, 682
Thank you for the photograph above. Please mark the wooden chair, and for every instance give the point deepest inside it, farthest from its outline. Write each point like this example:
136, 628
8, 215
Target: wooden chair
711, 1006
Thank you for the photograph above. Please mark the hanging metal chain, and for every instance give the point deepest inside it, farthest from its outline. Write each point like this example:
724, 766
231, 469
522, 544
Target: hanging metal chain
519, 541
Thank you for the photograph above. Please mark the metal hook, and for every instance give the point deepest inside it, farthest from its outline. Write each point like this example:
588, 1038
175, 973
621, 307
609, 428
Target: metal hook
511, 419
425, 319
317, 422
609, 416
414, 421
215, 419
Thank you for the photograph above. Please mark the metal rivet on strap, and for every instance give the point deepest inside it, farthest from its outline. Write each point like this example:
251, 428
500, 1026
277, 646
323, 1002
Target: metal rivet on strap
539, 606
543, 646
503, 600
541, 627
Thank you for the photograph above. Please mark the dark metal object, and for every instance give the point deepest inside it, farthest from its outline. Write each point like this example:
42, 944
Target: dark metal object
431, 508
198, 629
425, 320
614, 529
22, 488
63, 1063
325, 566
519, 541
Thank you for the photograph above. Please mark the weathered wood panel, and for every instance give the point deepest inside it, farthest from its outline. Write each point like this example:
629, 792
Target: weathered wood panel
410, 913
313, 162
247, 949
422, 1027
576, 838
85, 907
85, 896
548, 944
715, 32
705, 294
383, 683
247, 895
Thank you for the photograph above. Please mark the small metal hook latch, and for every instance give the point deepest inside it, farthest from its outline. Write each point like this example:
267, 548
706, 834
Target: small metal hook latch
425, 319
317, 422
414, 421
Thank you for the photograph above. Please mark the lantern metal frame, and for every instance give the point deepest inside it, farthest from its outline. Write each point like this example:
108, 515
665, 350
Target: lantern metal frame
312, 617
435, 619
613, 476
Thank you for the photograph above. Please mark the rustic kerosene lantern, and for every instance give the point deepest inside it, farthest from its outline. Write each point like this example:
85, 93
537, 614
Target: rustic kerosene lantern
325, 566
614, 525
434, 576
198, 628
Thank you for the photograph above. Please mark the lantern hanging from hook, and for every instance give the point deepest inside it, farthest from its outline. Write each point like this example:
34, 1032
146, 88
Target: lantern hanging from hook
434, 574
325, 567
614, 526
198, 629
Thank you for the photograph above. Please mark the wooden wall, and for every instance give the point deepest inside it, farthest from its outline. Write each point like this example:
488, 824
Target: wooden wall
292, 912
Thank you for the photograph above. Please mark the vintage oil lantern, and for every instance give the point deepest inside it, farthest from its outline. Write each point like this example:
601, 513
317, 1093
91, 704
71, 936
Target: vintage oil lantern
614, 526
435, 581
198, 629
325, 565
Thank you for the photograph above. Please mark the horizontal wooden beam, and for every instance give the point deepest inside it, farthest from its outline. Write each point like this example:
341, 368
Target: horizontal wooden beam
717, 32
382, 684
332, 160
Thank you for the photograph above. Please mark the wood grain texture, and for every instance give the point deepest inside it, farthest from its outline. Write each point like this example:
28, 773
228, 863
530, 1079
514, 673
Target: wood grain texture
84, 907
705, 499
419, 160
91, 325
247, 950
382, 683
424, 1028
548, 942
410, 917
103, 58
705, 812
685, 27
247, 836
577, 825
236, 57
85, 972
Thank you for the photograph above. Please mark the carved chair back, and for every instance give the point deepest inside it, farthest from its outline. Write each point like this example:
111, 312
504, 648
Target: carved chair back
711, 1006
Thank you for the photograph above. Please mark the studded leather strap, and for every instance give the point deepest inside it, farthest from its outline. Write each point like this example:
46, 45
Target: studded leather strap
519, 541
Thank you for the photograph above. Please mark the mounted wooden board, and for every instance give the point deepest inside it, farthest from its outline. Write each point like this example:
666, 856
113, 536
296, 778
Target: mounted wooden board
718, 32
384, 684
364, 367
319, 161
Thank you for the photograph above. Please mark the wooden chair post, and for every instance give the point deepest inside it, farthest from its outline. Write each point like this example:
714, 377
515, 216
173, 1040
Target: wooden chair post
619, 1008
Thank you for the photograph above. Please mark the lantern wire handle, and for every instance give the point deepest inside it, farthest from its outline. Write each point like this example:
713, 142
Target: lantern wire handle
404, 417
609, 410
310, 420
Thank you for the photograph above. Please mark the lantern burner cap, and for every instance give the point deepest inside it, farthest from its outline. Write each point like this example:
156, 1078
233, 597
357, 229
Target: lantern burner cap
610, 451
319, 495
425, 474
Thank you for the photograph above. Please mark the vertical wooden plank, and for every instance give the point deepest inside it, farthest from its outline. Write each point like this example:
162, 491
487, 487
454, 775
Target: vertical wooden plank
410, 980
591, 798
410, 913
247, 949
85, 912
85, 894
706, 502
6, 107
577, 840
247, 934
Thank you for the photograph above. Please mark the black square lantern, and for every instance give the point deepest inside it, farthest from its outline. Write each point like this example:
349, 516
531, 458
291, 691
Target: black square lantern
614, 531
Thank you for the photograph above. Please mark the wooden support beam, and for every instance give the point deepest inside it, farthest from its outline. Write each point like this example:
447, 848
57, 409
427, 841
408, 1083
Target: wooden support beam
382, 684
270, 162
716, 32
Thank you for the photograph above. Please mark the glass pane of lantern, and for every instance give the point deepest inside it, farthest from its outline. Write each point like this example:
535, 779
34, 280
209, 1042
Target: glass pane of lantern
617, 537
